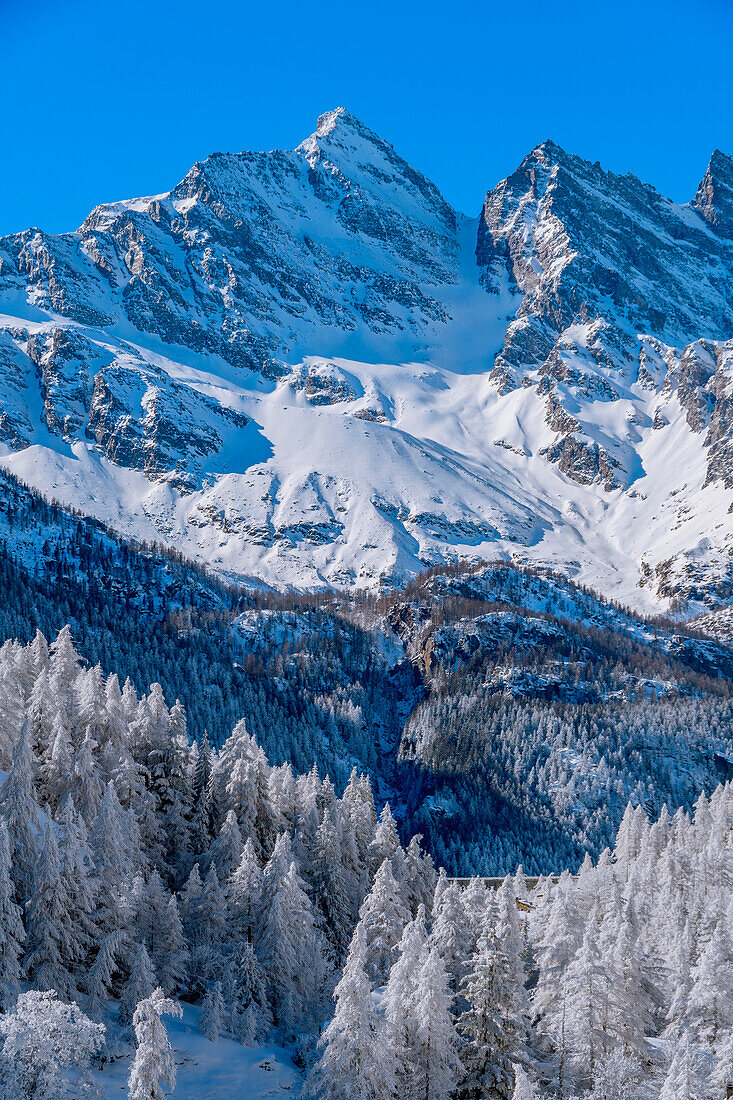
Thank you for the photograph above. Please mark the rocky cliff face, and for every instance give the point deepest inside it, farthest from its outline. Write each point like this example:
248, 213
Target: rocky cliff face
306, 367
600, 260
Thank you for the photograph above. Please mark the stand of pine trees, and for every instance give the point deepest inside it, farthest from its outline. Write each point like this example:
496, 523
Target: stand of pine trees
138, 869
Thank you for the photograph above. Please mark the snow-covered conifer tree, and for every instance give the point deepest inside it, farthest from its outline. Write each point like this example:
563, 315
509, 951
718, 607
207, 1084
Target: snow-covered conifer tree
683, 1081
488, 1025
524, 1089
226, 851
244, 895
710, 1003
77, 870
20, 810
450, 933
399, 1003
12, 932
47, 1047
86, 784
139, 985
383, 915
49, 924
437, 1065
722, 1075
99, 981
419, 878
330, 889
211, 1019
153, 1065
207, 955
356, 1061
386, 844
290, 946
12, 716
245, 995
173, 957
114, 860
586, 1010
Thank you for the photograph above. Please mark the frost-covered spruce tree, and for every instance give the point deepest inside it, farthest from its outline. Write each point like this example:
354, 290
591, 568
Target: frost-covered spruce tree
153, 1065
683, 1081
560, 939
87, 786
330, 888
436, 1062
420, 876
681, 983
49, 924
511, 949
207, 955
629, 996
307, 820
226, 850
620, 1076
399, 1004
99, 982
358, 804
12, 932
40, 713
488, 1024
244, 896
77, 870
243, 775
46, 1049
177, 799
290, 946
249, 1018
12, 716
386, 844
114, 862
450, 932
356, 1061
383, 915
710, 1003
524, 1089
173, 959
189, 900
19, 808
584, 1029
64, 670
151, 906
211, 1018
722, 1074
139, 985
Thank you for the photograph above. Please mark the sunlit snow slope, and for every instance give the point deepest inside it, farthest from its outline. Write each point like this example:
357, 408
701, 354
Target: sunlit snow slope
304, 368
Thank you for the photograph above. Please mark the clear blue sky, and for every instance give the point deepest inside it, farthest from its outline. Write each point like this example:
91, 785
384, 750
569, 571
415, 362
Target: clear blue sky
106, 101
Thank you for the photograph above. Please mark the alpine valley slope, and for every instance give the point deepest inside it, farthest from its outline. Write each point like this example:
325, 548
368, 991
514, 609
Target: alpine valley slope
305, 368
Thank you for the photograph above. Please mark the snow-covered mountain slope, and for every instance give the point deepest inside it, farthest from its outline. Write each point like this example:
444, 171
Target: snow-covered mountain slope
304, 368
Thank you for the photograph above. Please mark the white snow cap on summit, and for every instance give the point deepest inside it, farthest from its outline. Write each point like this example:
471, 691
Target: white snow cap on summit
327, 121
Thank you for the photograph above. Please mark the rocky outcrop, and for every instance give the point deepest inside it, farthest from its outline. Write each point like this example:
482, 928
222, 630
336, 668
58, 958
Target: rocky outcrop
714, 198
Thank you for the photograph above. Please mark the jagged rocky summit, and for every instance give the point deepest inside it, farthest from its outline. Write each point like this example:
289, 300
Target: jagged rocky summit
305, 368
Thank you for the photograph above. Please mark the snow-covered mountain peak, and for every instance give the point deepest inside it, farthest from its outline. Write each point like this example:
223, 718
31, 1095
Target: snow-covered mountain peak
305, 367
714, 198
338, 117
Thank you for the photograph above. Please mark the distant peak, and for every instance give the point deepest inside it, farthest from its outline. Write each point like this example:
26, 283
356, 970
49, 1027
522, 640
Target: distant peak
340, 130
328, 121
714, 198
340, 124
721, 166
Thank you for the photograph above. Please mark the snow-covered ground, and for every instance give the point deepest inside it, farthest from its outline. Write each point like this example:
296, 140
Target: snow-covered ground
224, 1070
